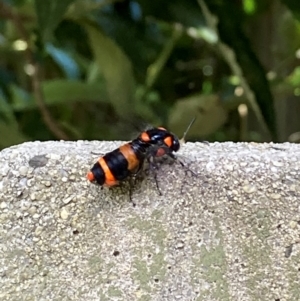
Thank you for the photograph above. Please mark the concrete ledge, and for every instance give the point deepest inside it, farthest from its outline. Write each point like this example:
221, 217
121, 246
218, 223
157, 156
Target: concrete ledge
232, 233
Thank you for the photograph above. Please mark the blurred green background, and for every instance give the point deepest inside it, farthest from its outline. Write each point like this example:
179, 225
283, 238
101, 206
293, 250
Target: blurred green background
102, 69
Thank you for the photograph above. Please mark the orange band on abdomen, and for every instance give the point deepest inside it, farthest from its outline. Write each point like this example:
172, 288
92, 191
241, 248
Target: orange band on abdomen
110, 180
130, 156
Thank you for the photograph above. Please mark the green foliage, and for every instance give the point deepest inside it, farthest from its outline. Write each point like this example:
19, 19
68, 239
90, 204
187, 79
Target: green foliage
294, 7
208, 110
90, 69
116, 69
49, 13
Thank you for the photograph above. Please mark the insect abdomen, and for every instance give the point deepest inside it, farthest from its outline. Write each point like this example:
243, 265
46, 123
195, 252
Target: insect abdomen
115, 166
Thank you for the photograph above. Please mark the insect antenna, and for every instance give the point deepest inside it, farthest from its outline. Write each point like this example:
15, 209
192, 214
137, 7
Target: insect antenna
182, 140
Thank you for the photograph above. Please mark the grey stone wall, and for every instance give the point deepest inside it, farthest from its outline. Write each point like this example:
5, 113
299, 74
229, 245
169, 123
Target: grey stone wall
231, 233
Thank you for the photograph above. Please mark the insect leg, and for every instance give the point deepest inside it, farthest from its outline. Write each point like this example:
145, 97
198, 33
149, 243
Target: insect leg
131, 187
133, 179
185, 167
153, 169
166, 151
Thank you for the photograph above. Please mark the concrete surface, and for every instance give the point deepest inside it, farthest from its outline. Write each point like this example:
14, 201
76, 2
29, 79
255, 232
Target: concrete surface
231, 233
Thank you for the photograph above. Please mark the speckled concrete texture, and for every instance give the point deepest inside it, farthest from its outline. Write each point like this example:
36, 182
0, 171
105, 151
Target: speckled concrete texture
230, 233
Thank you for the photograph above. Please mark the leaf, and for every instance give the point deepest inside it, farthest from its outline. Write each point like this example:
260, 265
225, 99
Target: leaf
210, 115
116, 69
64, 60
49, 14
294, 78
288, 41
10, 135
59, 92
294, 7
9, 130
6, 111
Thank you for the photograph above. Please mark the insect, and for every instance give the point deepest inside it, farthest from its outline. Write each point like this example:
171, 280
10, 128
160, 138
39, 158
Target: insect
128, 160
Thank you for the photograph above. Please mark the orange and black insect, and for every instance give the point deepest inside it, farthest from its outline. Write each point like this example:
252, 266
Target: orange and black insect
128, 159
